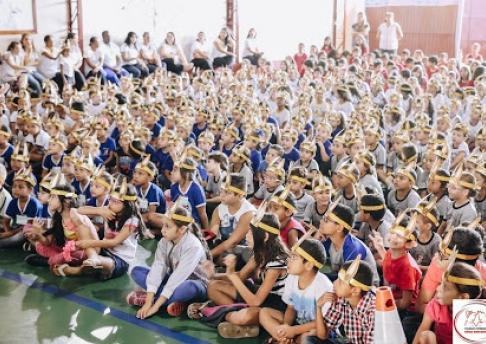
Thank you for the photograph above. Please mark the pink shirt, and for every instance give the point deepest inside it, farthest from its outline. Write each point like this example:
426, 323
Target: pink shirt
442, 317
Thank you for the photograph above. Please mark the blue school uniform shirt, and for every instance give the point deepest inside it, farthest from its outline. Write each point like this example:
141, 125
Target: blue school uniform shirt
33, 209
48, 163
256, 160
202, 172
300, 139
46, 214
327, 147
107, 147
6, 155
161, 121
83, 194
156, 130
115, 135
227, 152
191, 200
162, 160
292, 155
197, 131
153, 196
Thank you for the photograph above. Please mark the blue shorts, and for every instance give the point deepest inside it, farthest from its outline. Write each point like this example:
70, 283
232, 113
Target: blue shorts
120, 267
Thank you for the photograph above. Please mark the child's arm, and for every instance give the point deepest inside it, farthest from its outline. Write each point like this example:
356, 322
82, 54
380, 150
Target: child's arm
406, 299
293, 237
289, 316
426, 325
203, 216
106, 243
104, 212
236, 237
457, 160
322, 150
255, 300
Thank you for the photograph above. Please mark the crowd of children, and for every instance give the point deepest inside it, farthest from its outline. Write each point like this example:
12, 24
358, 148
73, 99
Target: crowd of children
279, 199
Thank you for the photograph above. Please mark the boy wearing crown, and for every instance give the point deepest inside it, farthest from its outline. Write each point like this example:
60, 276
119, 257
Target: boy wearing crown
352, 311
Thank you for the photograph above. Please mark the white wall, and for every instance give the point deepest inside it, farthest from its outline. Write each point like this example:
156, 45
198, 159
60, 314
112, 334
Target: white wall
281, 25
51, 19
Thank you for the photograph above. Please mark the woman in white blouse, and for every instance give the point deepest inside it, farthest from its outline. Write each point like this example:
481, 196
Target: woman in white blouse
171, 54
200, 52
223, 49
251, 51
132, 62
149, 54
77, 56
31, 60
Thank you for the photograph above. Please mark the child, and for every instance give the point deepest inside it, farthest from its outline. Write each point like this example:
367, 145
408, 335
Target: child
19, 160
480, 200
461, 281
239, 163
216, 165
372, 136
107, 144
321, 192
459, 150
340, 244
346, 177
461, 188
119, 243
352, 310
191, 193
273, 178
6, 148
231, 218
252, 142
228, 140
151, 199
53, 159
282, 204
338, 150
22, 207
176, 276
400, 271
100, 195
162, 157
303, 287
428, 240
323, 151
307, 154
270, 260
84, 168
365, 161
288, 140
298, 181
403, 196
437, 186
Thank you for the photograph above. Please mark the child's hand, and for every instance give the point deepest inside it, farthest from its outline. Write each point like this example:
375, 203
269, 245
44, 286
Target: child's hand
143, 312
377, 240
38, 224
106, 213
208, 267
325, 298
230, 262
285, 331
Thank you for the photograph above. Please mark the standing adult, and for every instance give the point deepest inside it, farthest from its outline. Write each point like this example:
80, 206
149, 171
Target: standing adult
388, 34
48, 65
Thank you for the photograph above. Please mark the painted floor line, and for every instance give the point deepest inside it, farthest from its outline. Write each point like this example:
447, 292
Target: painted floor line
99, 307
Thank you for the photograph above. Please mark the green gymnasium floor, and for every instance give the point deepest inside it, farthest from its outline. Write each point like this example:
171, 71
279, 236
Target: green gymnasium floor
37, 307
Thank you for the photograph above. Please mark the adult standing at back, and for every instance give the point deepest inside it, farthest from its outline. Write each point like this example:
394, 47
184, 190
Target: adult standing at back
388, 34
361, 27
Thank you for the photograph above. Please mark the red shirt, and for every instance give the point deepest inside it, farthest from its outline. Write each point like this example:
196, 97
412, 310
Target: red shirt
402, 274
299, 61
292, 224
442, 317
432, 70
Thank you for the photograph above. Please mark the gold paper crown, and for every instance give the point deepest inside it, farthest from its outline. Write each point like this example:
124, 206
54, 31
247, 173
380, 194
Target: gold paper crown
424, 208
57, 183
177, 217
282, 199
446, 251
348, 275
457, 279
120, 190
24, 156
146, 166
304, 254
86, 162
257, 220
456, 178
321, 183
229, 187
25, 175
405, 232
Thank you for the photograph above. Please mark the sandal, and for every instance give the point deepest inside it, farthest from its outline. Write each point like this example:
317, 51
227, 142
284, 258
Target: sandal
175, 309
58, 270
92, 263
229, 330
194, 310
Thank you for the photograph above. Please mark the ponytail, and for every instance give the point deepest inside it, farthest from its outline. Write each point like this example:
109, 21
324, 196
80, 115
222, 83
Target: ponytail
194, 228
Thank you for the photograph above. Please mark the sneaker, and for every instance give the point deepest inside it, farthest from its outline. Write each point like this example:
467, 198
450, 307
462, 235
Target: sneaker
175, 309
229, 330
137, 298
36, 260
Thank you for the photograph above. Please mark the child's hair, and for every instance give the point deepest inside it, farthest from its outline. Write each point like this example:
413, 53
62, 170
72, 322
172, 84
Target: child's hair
467, 242
300, 172
130, 209
315, 249
364, 274
238, 181
193, 227
470, 179
443, 173
220, 158
105, 177
375, 202
290, 199
463, 270
344, 213
57, 230
409, 153
278, 149
188, 174
272, 249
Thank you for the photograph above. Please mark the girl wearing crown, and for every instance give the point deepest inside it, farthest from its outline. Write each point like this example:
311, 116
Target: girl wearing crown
176, 276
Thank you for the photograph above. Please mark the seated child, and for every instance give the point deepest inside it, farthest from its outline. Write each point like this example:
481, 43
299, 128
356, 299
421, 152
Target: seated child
303, 287
298, 181
321, 192
273, 178
177, 276
461, 188
403, 196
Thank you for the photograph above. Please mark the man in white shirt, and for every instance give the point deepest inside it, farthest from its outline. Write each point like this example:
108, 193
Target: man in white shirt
112, 59
388, 34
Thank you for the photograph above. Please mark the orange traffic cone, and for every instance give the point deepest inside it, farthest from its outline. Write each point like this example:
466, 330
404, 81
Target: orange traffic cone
388, 327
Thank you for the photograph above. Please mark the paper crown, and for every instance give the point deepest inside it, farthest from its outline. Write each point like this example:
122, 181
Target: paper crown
57, 183
297, 248
425, 208
457, 279
457, 178
86, 162
170, 213
120, 190
281, 199
25, 175
147, 166
348, 275
321, 183
407, 232
257, 220
21, 154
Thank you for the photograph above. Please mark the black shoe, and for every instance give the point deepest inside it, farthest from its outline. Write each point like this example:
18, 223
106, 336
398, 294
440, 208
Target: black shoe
36, 260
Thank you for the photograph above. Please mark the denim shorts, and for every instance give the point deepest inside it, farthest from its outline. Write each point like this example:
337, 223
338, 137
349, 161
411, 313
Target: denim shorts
120, 266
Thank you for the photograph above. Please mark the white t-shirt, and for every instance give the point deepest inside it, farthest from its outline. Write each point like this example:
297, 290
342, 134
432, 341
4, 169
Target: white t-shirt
304, 300
148, 50
171, 50
199, 46
132, 53
42, 139
8, 73
67, 63
282, 117
389, 36
94, 57
110, 52
127, 248
48, 67
250, 43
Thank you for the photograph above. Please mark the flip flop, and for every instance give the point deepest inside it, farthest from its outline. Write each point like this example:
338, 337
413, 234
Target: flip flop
229, 330
58, 270
194, 310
